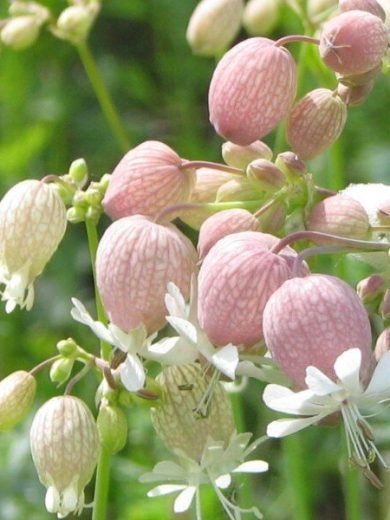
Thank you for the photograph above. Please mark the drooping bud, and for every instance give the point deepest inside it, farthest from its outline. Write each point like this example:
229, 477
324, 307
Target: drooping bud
243, 111
21, 32
32, 224
316, 122
207, 183
65, 447
382, 344
75, 22
112, 427
370, 289
230, 305
179, 422
370, 6
353, 96
240, 156
339, 215
260, 16
311, 321
136, 259
17, 392
222, 224
146, 180
353, 42
213, 26
61, 369
265, 176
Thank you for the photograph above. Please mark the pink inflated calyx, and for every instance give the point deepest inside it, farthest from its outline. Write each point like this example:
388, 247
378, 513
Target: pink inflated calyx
136, 259
147, 179
353, 42
236, 279
370, 6
252, 89
222, 224
310, 321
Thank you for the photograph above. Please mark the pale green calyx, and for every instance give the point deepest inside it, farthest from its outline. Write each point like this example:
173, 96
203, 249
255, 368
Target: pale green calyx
65, 448
17, 392
21, 32
75, 22
32, 224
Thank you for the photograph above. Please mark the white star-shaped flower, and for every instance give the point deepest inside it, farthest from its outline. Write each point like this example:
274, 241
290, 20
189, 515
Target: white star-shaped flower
216, 464
324, 397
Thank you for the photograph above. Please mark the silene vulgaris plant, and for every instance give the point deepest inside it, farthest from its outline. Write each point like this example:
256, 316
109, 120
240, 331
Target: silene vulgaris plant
181, 324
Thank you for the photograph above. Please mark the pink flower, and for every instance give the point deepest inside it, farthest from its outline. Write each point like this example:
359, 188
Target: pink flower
136, 259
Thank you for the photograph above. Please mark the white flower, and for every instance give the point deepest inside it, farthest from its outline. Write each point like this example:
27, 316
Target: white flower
214, 469
324, 397
132, 371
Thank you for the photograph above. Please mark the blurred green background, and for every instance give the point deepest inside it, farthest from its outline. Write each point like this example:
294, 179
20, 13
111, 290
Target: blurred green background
49, 116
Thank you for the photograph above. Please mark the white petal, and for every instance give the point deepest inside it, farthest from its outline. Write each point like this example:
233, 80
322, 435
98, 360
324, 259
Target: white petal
131, 342
70, 499
226, 360
223, 481
283, 427
132, 373
183, 501
52, 500
165, 489
282, 399
174, 301
172, 351
184, 328
379, 386
79, 313
347, 368
319, 383
252, 466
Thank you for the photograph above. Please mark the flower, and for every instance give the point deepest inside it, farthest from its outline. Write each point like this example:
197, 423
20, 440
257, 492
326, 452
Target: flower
214, 468
324, 397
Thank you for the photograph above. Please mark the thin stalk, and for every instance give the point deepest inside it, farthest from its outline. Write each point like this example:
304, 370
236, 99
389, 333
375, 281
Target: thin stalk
194, 165
296, 38
352, 493
103, 96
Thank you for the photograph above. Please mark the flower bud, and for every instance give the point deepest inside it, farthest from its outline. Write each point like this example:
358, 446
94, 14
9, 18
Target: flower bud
385, 305
353, 42
251, 91
339, 215
207, 183
65, 447
359, 80
240, 156
386, 7
177, 422
272, 220
260, 16
136, 259
319, 8
67, 347
265, 176
353, 96
382, 344
112, 427
371, 288
60, 370
311, 321
222, 224
17, 392
32, 224
371, 6
238, 188
78, 172
75, 22
230, 304
291, 165
20, 32
146, 180
213, 26
383, 213
316, 122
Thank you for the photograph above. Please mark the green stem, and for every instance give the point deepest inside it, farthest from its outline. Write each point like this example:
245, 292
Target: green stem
103, 468
103, 96
352, 494
297, 478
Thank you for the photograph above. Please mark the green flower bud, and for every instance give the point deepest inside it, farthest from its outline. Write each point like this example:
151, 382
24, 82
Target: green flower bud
75, 22
75, 215
240, 156
265, 176
78, 172
112, 427
65, 447
20, 32
17, 392
60, 370
67, 347
260, 16
176, 421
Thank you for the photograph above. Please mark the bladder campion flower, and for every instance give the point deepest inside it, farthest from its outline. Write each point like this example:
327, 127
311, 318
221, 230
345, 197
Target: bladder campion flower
17, 392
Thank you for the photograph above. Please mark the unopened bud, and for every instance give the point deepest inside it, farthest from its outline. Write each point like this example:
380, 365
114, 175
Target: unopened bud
17, 392
181, 421
74, 23
20, 32
32, 224
112, 427
382, 344
78, 172
357, 80
60, 370
67, 347
385, 305
213, 26
383, 213
240, 156
75, 215
353, 96
265, 176
291, 165
370, 6
272, 220
238, 188
260, 16
320, 8
65, 448
371, 288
